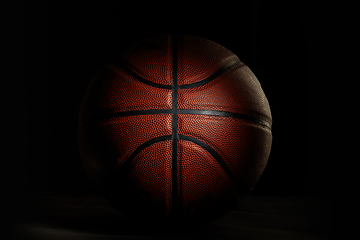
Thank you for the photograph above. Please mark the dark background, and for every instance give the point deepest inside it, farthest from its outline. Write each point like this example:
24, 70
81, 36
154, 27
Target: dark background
67, 42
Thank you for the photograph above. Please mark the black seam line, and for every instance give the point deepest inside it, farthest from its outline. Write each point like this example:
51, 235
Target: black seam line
240, 185
242, 188
226, 114
142, 147
127, 113
250, 118
175, 200
124, 65
119, 170
212, 77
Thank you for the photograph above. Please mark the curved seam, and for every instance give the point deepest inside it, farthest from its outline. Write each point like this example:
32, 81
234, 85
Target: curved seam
216, 74
125, 66
253, 119
125, 114
119, 170
246, 117
242, 188
142, 147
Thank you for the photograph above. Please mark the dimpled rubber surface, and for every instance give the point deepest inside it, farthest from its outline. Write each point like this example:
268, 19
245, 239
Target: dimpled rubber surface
224, 92
203, 186
106, 144
152, 59
199, 58
112, 90
241, 144
160, 151
155, 180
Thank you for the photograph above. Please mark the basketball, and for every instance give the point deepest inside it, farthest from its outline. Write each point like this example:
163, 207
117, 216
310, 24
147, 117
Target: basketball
177, 130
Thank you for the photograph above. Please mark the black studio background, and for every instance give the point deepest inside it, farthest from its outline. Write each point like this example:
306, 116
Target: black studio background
67, 42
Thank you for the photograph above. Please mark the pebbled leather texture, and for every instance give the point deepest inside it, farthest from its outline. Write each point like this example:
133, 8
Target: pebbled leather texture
179, 130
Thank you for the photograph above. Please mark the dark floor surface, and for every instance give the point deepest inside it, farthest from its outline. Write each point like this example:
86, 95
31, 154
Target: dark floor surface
257, 217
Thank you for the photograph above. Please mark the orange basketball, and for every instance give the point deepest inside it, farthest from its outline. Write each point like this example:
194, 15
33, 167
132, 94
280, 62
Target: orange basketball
177, 130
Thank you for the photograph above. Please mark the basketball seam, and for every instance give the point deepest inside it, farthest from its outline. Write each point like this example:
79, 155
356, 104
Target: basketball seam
216, 74
126, 67
256, 120
175, 198
240, 185
142, 147
120, 169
